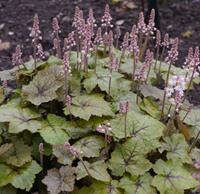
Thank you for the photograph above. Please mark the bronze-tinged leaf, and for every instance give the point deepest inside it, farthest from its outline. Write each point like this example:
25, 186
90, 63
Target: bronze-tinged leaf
60, 180
183, 128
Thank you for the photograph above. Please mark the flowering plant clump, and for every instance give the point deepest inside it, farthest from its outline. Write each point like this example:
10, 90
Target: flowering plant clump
98, 116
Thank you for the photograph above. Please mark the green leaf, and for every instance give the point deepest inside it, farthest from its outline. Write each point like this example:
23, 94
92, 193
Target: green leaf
137, 184
78, 128
138, 126
54, 130
129, 157
172, 177
44, 86
20, 119
5, 147
150, 107
6, 174
177, 148
87, 105
52, 60
8, 190
17, 155
97, 170
25, 176
63, 155
90, 146
101, 79
99, 188
60, 180
149, 90
192, 119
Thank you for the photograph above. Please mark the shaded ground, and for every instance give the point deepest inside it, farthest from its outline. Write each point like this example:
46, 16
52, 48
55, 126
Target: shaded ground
178, 18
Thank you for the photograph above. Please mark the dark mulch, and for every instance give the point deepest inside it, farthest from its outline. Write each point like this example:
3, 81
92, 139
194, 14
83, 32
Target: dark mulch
178, 18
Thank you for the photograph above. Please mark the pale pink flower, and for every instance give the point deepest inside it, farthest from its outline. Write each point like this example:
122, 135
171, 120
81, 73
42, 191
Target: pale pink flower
17, 56
106, 19
124, 107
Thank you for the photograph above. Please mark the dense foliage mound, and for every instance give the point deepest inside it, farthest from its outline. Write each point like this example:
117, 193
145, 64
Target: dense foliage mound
98, 121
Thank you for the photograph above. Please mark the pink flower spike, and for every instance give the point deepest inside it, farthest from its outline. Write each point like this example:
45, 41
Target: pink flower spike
166, 42
98, 39
91, 20
106, 19
158, 39
142, 27
67, 68
124, 107
35, 31
151, 24
125, 43
17, 56
68, 101
55, 26
41, 148
40, 51
72, 150
69, 42
173, 52
4, 84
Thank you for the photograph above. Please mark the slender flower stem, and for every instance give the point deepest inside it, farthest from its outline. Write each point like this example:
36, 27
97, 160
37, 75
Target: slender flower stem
109, 84
194, 142
86, 169
161, 58
95, 59
164, 97
190, 83
34, 54
137, 92
144, 46
134, 69
157, 56
125, 125
148, 72
59, 47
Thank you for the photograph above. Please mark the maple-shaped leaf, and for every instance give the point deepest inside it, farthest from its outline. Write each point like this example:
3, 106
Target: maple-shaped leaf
62, 154
19, 119
6, 174
192, 119
129, 157
78, 128
17, 155
99, 187
53, 130
5, 147
172, 177
137, 184
150, 107
97, 170
60, 180
89, 105
138, 126
25, 176
44, 85
8, 189
90, 146
149, 90
177, 148
101, 79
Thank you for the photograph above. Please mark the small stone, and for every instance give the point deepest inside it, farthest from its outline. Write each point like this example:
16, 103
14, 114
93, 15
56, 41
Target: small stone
119, 22
10, 33
66, 19
2, 26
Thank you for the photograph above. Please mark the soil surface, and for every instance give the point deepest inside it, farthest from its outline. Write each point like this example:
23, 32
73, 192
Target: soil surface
177, 17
